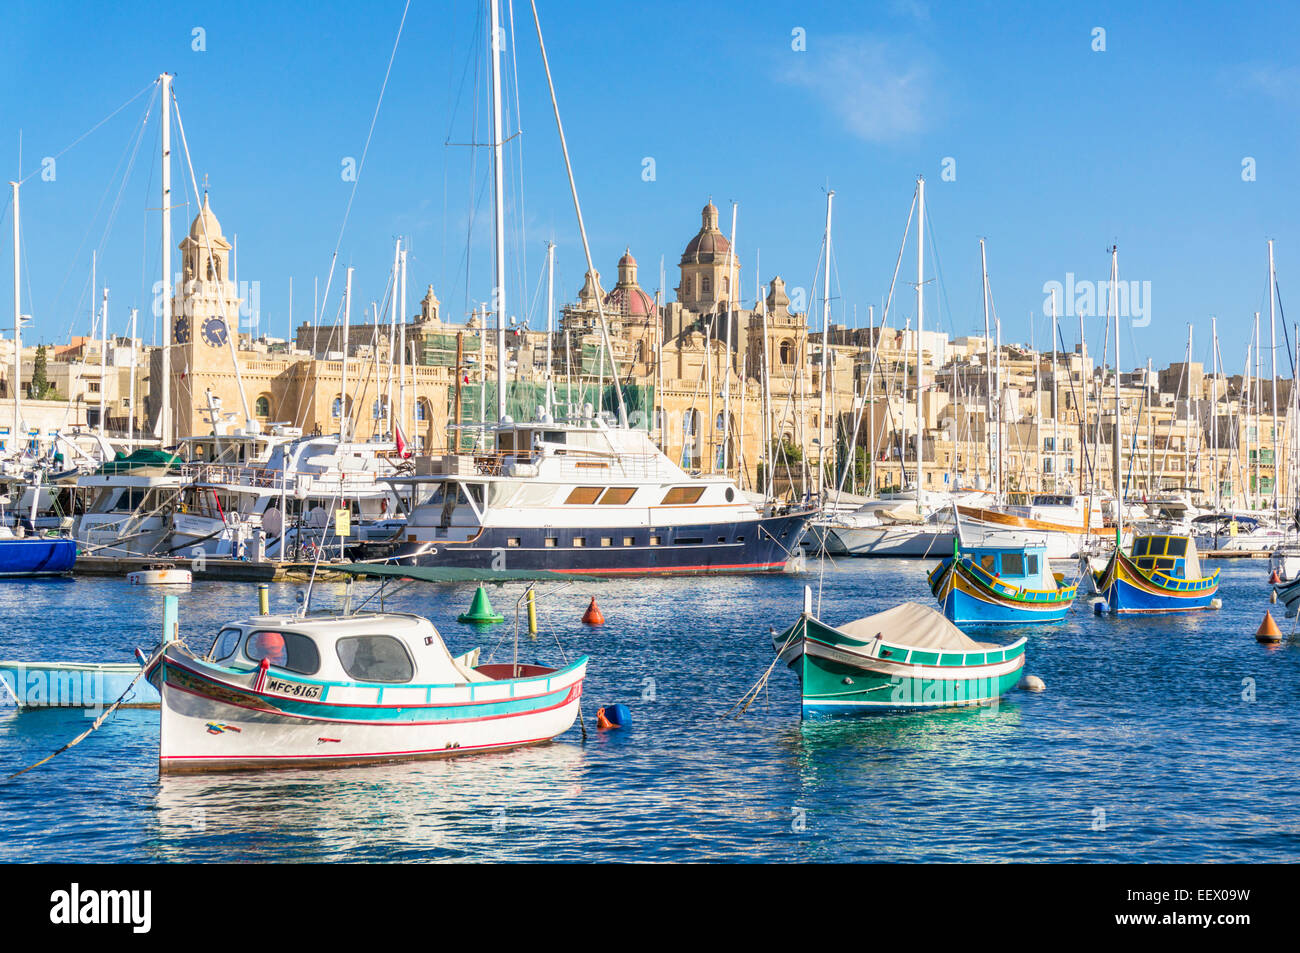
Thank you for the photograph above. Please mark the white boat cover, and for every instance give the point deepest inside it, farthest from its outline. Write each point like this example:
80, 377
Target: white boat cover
915, 626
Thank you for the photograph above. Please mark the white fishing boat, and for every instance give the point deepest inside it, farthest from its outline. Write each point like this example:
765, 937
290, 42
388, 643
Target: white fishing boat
327, 691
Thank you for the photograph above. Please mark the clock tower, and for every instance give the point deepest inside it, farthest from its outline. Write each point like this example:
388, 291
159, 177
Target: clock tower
205, 300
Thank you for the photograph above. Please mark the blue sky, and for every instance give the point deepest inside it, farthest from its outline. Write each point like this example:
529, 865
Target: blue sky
1059, 151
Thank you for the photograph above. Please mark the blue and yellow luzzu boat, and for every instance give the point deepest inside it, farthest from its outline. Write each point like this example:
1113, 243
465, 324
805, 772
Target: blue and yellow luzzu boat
1162, 574
1007, 584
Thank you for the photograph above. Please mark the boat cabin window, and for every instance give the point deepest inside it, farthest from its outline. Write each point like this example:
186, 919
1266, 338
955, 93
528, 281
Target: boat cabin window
1013, 564
1031, 565
375, 658
225, 645
1177, 546
989, 563
287, 650
617, 495
553, 436
683, 495
584, 494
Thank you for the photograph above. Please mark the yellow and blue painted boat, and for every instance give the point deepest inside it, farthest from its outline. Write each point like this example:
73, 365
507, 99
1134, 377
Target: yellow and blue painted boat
1006, 580
1161, 574
908, 658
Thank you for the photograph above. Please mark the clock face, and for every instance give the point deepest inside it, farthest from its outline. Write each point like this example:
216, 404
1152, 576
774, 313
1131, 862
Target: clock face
181, 330
214, 332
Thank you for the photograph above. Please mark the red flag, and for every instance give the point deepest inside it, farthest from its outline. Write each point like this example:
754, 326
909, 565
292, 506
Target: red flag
403, 450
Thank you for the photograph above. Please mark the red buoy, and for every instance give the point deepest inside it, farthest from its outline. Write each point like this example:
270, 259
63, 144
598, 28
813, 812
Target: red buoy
1268, 632
592, 616
1274, 578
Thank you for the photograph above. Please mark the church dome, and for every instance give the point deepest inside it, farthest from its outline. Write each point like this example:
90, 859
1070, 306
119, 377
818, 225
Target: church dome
207, 219
627, 296
709, 243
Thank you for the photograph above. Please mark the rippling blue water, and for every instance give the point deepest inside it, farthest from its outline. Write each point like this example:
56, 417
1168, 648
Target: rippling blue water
1143, 748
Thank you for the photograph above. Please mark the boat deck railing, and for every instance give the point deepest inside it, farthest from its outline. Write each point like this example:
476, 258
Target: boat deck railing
263, 478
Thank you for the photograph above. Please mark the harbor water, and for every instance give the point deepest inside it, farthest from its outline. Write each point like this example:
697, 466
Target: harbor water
1158, 739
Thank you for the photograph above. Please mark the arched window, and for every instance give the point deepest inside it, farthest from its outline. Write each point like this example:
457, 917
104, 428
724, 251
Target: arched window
688, 287
337, 409
422, 410
706, 285
379, 410
262, 408
726, 286
787, 352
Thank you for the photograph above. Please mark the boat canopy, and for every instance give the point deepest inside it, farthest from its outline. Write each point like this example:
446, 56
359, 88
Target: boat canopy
914, 626
1176, 555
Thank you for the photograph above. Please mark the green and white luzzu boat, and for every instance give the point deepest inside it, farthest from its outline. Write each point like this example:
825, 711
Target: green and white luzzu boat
907, 658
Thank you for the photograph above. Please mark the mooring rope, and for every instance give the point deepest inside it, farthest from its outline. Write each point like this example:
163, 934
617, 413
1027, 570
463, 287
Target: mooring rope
749, 697
98, 721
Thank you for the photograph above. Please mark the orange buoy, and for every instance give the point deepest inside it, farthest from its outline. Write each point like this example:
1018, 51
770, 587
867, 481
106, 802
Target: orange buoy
1274, 578
603, 723
593, 616
1268, 631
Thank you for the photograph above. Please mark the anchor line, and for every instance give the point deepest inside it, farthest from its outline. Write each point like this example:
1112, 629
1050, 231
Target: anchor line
749, 697
98, 721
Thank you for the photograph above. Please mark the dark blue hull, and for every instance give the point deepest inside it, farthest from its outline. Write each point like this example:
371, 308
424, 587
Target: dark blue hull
37, 556
759, 545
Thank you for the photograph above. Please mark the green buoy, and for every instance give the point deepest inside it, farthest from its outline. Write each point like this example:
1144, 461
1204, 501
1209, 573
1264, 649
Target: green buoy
480, 610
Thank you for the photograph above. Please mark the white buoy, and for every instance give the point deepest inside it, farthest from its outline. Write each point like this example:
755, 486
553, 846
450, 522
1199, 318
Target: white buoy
1032, 683
1216, 603
1272, 598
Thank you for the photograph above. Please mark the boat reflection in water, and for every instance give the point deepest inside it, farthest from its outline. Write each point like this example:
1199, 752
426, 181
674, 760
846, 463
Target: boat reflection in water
491, 806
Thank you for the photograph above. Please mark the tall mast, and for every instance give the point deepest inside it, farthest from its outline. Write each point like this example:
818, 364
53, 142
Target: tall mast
767, 393
550, 324
826, 321
988, 357
1056, 431
997, 383
165, 414
131, 399
393, 419
726, 368
499, 208
1272, 327
103, 362
920, 327
344, 414
1214, 406
1259, 393
1119, 488
401, 334
18, 332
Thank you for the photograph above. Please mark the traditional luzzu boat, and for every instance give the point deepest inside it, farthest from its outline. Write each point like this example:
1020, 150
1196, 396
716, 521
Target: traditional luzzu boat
1006, 580
322, 691
1161, 574
907, 658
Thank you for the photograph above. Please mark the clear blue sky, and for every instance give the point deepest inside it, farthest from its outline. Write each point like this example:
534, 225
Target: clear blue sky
1060, 150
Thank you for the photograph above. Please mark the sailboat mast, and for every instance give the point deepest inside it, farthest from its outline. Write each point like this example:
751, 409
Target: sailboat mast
1119, 488
826, 319
920, 327
1272, 327
1056, 415
18, 332
1214, 407
726, 367
103, 362
499, 208
131, 399
347, 320
550, 324
401, 334
165, 414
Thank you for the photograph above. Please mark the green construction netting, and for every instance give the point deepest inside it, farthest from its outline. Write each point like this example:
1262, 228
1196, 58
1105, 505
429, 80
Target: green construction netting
524, 397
